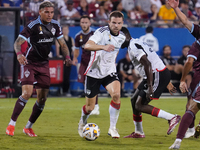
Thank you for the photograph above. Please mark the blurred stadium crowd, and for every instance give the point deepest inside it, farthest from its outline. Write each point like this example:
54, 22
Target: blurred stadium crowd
137, 13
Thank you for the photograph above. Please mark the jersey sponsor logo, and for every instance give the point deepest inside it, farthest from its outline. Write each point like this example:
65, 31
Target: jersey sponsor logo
26, 73
45, 40
53, 31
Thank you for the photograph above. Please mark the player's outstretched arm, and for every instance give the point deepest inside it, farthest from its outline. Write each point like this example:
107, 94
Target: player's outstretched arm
186, 69
76, 54
174, 4
92, 46
17, 46
65, 51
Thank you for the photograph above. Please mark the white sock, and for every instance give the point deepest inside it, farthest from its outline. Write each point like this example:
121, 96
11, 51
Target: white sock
29, 125
114, 114
13, 123
165, 115
191, 129
97, 105
138, 127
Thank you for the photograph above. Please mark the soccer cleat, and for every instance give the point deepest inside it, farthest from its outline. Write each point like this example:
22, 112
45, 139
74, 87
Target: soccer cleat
172, 123
190, 132
29, 132
135, 135
176, 145
80, 128
10, 130
113, 133
95, 110
197, 132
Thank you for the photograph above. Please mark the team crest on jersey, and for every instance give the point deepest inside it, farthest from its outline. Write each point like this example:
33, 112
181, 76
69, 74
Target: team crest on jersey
53, 31
109, 38
40, 30
88, 92
81, 38
26, 73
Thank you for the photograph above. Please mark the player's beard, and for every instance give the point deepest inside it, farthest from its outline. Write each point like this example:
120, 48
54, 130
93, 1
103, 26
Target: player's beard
86, 29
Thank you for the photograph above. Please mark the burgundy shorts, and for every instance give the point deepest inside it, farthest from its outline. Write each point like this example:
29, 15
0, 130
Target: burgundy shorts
36, 74
82, 69
194, 90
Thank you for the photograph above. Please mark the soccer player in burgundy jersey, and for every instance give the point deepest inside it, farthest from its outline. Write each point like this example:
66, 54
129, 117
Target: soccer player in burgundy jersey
35, 65
193, 60
80, 39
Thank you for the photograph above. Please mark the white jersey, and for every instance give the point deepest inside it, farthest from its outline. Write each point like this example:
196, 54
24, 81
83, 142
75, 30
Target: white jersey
137, 49
151, 40
102, 63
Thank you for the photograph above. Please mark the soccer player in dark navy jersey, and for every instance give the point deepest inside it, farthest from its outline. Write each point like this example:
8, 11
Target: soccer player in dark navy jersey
34, 63
193, 60
80, 39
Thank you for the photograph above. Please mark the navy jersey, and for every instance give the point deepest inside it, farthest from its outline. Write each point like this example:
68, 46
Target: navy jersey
40, 38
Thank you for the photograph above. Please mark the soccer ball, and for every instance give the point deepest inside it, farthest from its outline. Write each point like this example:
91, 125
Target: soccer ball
91, 131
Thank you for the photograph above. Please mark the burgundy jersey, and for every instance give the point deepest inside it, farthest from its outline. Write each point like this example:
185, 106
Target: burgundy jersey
40, 38
194, 52
80, 39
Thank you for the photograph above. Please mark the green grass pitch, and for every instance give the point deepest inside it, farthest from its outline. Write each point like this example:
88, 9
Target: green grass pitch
57, 126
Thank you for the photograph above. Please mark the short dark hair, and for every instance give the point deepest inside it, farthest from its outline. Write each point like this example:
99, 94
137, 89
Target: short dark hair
166, 46
46, 4
116, 14
85, 16
149, 29
186, 46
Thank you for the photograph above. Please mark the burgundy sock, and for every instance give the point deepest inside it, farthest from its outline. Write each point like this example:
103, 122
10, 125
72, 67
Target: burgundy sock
19, 106
185, 123
192, 124
37, 110
96, 100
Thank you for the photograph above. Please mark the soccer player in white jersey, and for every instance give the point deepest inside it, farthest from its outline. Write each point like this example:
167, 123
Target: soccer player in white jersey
104, 45
156, 77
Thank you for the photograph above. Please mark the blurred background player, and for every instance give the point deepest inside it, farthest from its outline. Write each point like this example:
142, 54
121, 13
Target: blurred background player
104, 45
67, 69
80, 39
150, 39
156, 77
35, 65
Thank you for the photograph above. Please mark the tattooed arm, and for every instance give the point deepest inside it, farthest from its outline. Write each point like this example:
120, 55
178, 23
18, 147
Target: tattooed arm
17, 46
65, 51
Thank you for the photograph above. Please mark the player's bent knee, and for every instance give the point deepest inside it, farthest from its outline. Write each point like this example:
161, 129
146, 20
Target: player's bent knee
26, 95
115, 97
138, 107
